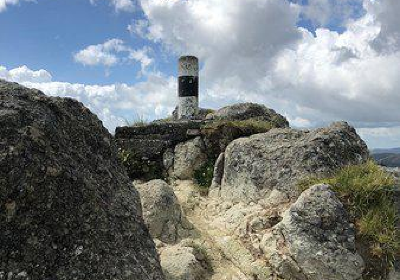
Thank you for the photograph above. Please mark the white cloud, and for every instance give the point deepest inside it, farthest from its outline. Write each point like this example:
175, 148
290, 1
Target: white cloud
228, 36
101, 54
111, 53
115, 103
386, 13
141, 55
251, 50
5, 3
120, 5
24, 74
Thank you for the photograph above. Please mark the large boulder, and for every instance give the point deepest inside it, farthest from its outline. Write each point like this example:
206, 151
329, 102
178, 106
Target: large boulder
189, 157
315, 240
67, 208
249, 111
161, 210
280, 158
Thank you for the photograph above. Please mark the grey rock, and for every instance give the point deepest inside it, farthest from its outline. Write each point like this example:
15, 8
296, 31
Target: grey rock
189, 157
201, 115
246, 111
180, 263
168, 161
315, 240
217, 175
161, 211
278, 159
67, 208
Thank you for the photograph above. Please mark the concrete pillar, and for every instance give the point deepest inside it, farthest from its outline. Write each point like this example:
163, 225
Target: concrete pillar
188, 87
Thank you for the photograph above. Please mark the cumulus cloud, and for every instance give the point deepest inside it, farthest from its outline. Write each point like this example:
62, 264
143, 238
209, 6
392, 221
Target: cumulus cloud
386, 13
114, 104
5, 3
24, 74
228, 36
252, 50
101, 54
111, 53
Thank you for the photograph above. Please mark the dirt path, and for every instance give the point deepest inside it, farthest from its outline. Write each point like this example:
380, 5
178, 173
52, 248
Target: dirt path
198, 213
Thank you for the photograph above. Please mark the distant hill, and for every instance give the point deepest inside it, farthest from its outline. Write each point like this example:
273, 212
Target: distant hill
386, 151
387, 159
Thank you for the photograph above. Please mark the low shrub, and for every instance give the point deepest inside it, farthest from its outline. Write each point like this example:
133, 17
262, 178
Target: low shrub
367, 191
204, 176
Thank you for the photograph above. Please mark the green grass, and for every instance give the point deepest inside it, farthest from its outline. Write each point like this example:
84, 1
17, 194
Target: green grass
255, 126
204, 176
367, 192
139, 120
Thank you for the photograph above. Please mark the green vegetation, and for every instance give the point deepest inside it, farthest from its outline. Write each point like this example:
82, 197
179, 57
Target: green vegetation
252, 126
208, 111
203, 177
139, 120
367, 192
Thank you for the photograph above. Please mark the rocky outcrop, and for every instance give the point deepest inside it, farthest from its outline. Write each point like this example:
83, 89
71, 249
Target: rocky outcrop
189, 157
249, 111
67, 209
161, 211
147, 150
315, 240
278, 159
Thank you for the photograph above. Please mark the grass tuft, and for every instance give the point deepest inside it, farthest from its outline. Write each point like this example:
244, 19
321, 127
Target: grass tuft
255, 126
139, 120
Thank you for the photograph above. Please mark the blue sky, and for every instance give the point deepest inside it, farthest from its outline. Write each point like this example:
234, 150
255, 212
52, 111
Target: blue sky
46, 34
312, 60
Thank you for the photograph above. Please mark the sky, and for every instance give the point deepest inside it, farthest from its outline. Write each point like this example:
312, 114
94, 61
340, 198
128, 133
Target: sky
313, 61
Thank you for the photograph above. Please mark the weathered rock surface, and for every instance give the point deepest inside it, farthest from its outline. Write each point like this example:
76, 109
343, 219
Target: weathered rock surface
180, 263
315, 240
189, 156
67, 209
278, 159
217, 175
203, 112
161, 211
247, 111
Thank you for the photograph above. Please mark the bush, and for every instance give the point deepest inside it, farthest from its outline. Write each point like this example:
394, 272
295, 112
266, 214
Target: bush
367, 191
204, 176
